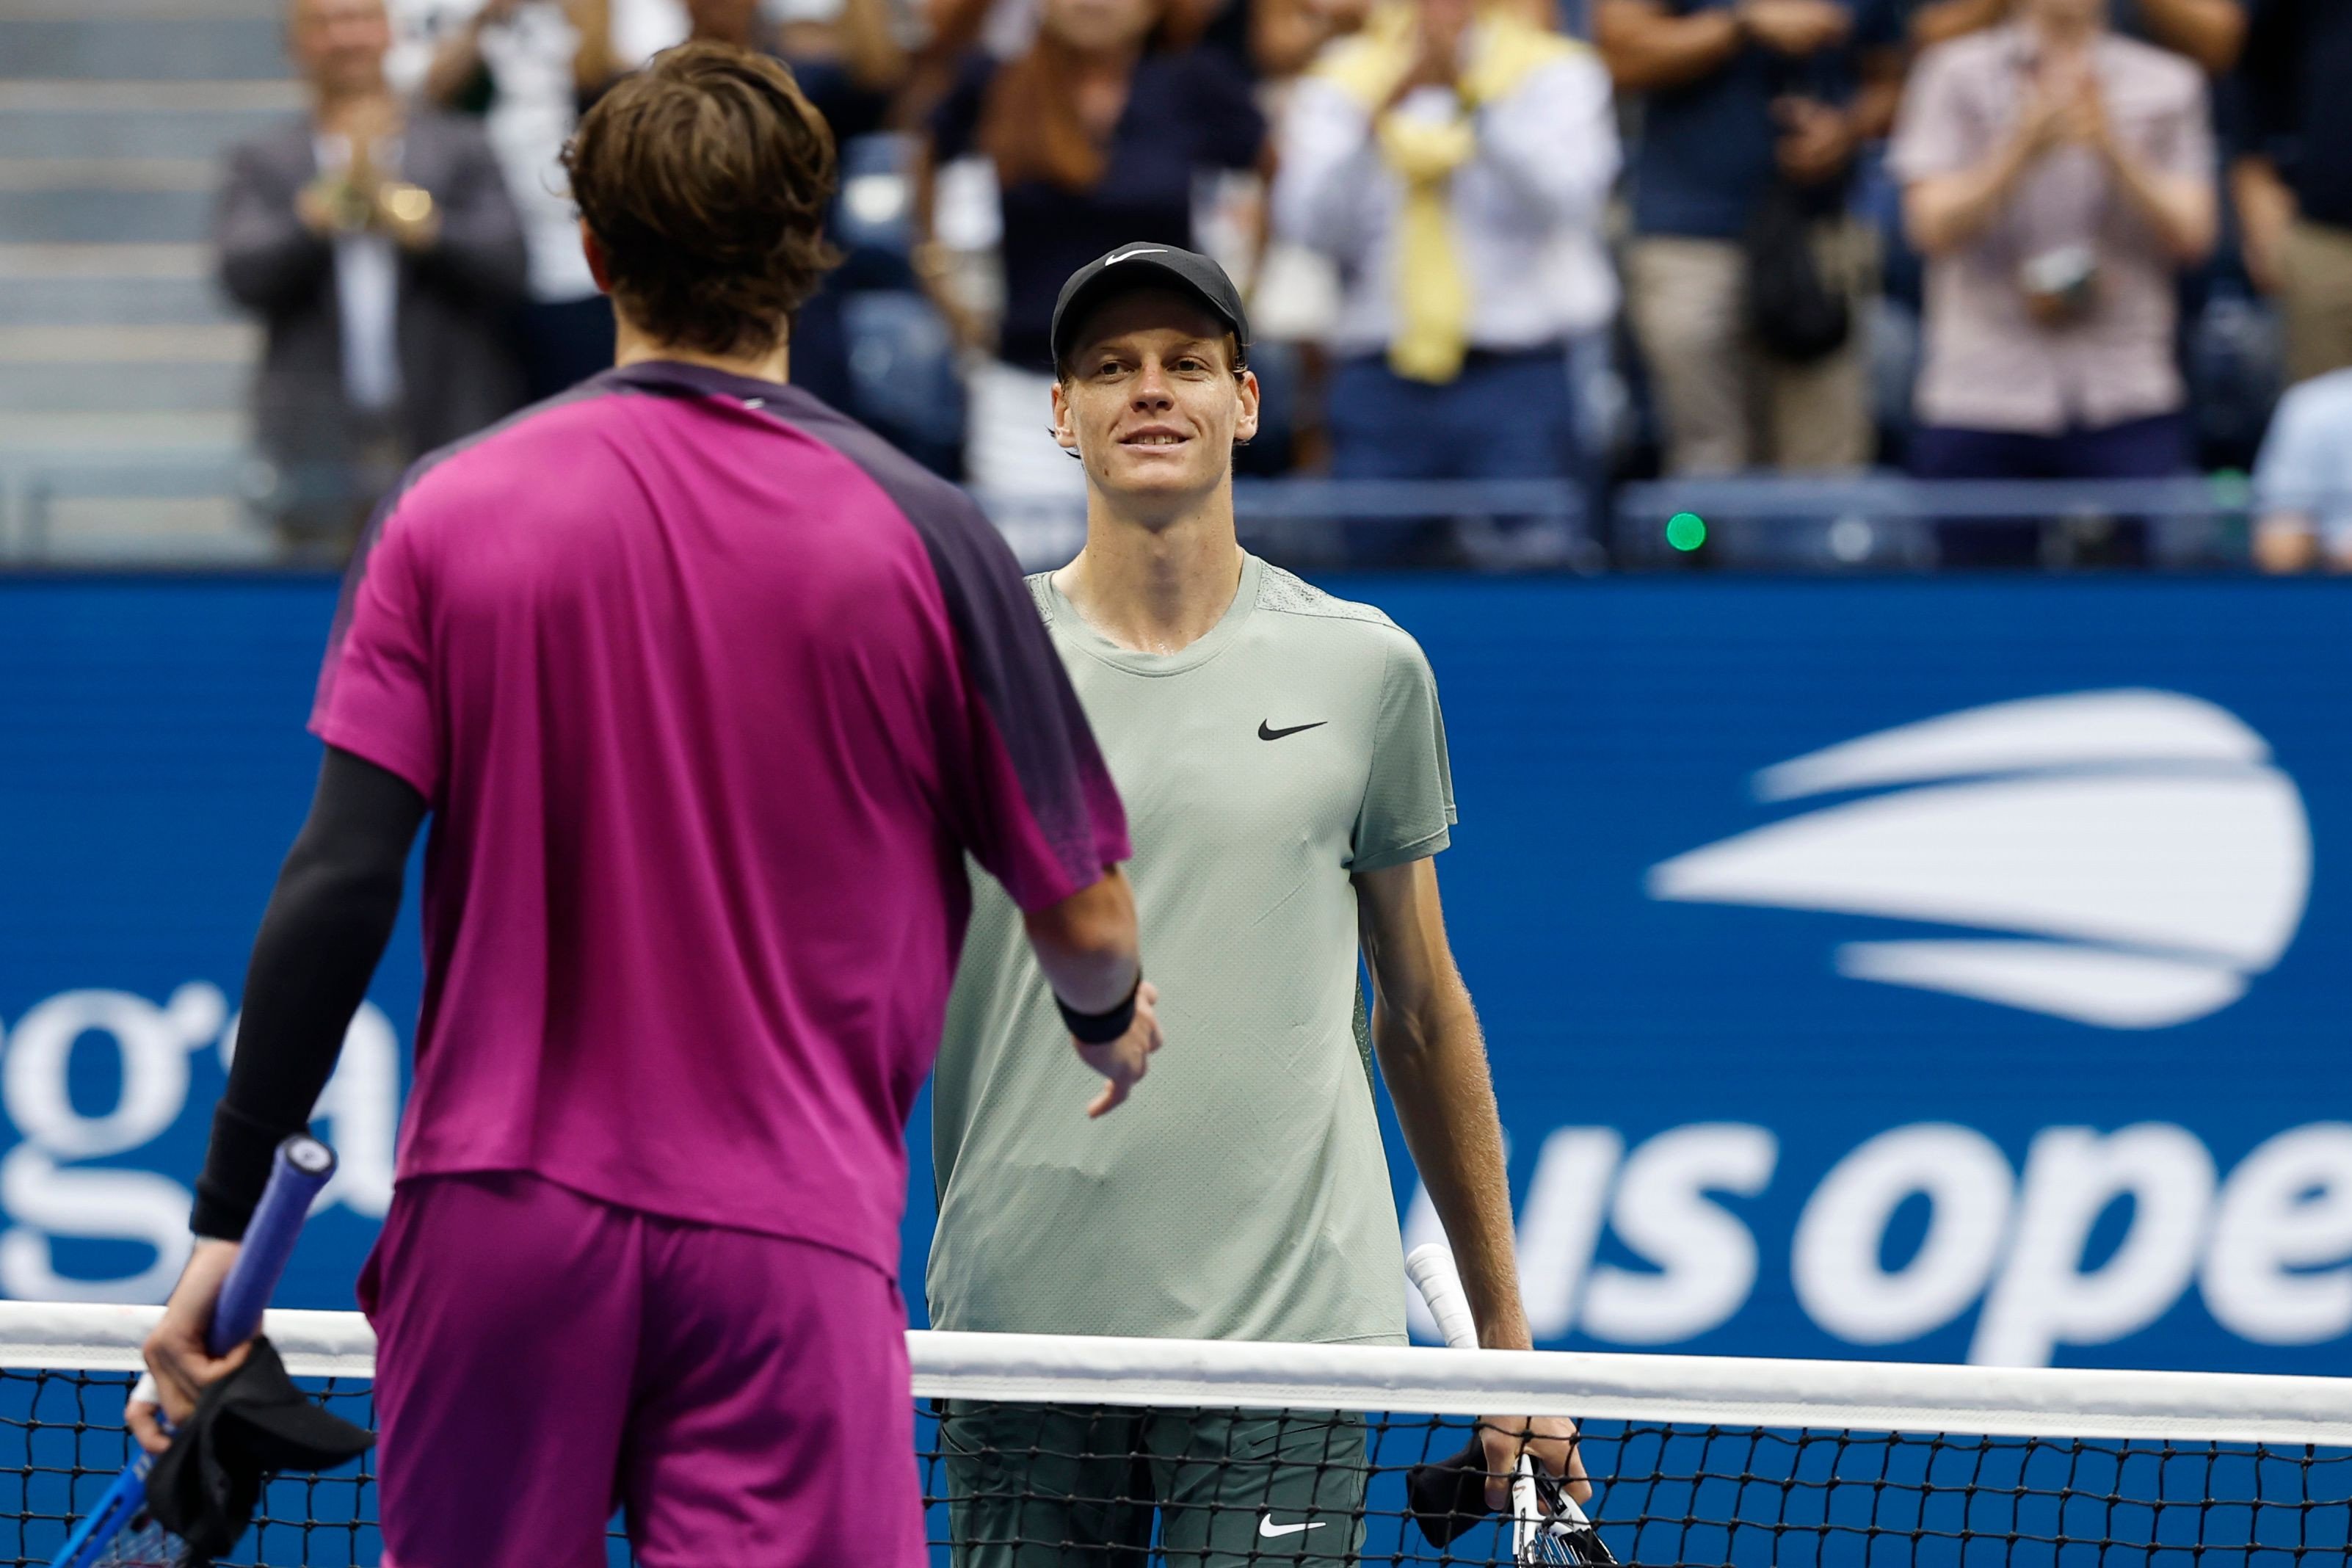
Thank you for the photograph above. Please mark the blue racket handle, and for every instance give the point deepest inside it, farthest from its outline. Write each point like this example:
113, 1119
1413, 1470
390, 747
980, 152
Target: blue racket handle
302, 1168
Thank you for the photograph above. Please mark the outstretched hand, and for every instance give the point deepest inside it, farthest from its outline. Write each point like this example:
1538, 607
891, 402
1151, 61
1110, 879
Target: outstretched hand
1124, 1060
178, 1358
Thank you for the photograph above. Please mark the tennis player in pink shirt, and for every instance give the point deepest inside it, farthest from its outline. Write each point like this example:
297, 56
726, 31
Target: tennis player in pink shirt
708, 694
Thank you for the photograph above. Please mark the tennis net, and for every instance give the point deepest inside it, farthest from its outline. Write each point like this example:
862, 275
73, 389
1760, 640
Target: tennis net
1258, 1453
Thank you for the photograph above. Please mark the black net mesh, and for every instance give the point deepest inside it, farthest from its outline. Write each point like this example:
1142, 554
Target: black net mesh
1039, 1485
62, 1444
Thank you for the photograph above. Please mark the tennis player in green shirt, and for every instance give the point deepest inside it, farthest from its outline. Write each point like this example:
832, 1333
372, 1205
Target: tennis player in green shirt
1283, 761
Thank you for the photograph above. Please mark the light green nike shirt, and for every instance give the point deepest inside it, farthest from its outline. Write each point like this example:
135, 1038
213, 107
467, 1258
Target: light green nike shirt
1243, 1191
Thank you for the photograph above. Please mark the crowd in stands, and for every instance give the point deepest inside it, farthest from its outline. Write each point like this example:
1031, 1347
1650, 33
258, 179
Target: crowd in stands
1482, 239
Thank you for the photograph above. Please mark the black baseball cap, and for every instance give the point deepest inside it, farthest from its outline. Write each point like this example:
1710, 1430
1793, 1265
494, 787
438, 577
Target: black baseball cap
1148, 266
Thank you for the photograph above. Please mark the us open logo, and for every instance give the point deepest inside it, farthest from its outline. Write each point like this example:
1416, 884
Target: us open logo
2139, 850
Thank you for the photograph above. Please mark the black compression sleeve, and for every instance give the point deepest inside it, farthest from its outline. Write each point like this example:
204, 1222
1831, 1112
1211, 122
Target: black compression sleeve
325, 929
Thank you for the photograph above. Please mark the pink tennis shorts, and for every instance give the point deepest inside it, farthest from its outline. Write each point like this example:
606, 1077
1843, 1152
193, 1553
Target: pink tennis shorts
544, 1357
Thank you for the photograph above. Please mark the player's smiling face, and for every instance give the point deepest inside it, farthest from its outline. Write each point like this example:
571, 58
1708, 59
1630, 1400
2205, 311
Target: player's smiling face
1150, 400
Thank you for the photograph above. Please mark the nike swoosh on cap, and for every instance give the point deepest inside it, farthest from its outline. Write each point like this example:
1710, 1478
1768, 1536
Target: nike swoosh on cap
1265, 1526
1266, 732
1139, 250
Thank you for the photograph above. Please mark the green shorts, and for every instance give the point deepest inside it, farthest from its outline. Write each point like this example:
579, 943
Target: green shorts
1033, 1486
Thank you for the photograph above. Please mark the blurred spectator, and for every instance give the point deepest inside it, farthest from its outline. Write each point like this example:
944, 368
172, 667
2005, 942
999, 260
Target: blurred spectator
2303, 482
2057, 176
844, 55
2294, 183
1455, 164
1750, 280
528, 66
1006, 29
381, 251
847, 55
1294, 291
1287, 35
2209, 32
1225, 27
643, 29
849, 62
736, 22
1096, 139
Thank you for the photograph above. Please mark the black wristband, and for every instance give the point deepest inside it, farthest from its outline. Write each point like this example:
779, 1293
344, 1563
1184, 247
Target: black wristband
1101, 1029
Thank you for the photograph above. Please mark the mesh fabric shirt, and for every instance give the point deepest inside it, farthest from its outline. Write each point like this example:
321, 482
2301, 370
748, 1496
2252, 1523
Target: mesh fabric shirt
1243, 1193
711, 693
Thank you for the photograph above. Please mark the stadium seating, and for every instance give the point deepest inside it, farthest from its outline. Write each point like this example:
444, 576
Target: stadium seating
122, 431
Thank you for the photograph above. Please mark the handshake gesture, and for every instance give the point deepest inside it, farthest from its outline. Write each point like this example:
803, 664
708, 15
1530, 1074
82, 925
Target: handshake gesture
1123, 1061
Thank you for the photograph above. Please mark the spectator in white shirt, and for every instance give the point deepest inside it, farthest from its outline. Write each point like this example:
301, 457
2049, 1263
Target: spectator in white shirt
529, 65
1455, 162
2302, 480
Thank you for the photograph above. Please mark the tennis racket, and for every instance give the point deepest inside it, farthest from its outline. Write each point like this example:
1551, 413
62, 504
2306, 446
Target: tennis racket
119, 1533
1546, 1524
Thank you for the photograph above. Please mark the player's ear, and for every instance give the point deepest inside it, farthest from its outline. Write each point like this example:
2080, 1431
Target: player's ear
598, 268
1246, 389
1065, 425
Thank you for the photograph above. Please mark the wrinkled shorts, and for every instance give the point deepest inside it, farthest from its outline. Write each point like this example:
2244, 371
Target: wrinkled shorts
543, 1358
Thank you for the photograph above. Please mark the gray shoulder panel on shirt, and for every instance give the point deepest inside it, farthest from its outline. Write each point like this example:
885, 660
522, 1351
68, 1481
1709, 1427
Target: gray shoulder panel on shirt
1286, 594
1040, 588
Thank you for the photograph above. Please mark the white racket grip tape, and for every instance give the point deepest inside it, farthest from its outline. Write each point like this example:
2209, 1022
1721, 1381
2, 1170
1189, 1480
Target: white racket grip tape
1430, 1269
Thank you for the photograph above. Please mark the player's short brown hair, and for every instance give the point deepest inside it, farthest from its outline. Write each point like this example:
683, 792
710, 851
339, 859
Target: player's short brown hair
705, 178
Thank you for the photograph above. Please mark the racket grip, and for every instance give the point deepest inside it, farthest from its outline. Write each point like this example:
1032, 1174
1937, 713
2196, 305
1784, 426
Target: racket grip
301, 1169
1430, 1269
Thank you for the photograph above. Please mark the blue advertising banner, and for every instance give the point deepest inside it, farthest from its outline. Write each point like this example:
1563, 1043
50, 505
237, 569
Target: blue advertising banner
1926, 969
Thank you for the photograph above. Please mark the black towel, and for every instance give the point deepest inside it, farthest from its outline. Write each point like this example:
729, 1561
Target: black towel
1449, 1496
248, 1426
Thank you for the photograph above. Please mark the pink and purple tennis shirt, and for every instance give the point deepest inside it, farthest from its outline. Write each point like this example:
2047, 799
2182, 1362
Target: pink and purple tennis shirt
709, 692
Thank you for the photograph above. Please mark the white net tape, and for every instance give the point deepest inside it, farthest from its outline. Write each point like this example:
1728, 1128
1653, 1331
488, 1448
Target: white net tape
2176, 1406
1200, 1455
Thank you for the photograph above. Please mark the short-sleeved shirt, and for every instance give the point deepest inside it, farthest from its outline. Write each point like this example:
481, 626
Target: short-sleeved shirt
1988, 365
1243, 1193
1185, 112
711, 693
2306, 467
1703, 158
